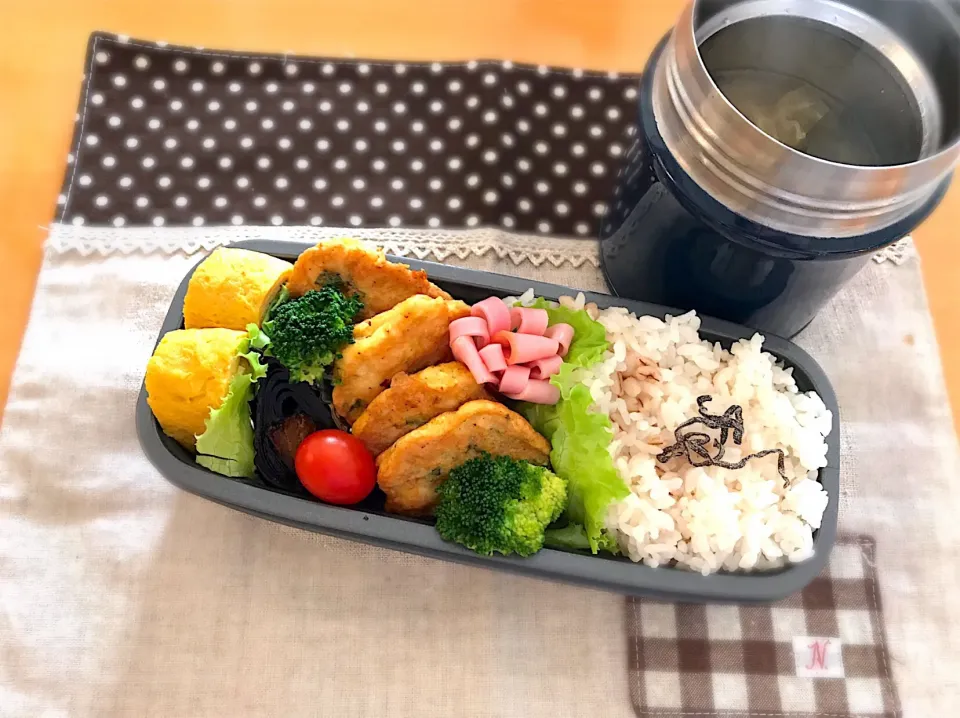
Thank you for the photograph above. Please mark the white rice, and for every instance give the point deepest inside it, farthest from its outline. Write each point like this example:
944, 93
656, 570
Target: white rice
707, 519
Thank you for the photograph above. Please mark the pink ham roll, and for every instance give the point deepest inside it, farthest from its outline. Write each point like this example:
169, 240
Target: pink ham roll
563, 333
475, 327
537, 392
524, 348
494, 312
465, 352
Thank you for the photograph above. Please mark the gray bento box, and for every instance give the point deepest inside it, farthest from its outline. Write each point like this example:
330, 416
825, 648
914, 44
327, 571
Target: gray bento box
370, 524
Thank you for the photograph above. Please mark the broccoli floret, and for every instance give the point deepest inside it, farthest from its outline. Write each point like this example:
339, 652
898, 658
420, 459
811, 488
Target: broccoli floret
497, 504
308, 333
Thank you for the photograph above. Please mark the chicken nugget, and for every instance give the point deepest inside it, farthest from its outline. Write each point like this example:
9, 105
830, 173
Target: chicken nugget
407, 338
363, 271
413, 400
410, 471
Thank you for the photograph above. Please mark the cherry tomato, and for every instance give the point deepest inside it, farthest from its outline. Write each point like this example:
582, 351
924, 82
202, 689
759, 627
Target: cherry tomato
335, 467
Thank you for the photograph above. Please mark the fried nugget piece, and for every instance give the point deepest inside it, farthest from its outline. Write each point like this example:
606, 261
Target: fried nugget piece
410, 471
411, 336
364, 270
413, 400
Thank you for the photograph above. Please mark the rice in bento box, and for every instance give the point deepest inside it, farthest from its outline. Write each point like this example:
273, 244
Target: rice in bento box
707, 518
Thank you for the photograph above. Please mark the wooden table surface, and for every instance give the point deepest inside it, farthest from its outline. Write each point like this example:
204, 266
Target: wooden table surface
41, 61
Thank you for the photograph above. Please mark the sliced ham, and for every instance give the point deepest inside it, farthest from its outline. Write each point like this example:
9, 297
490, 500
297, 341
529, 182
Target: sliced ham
494, 312
543, 368
524, 348
493, 358
515, 379
537, 392
529, 321
563, 333
470, 327
465, 351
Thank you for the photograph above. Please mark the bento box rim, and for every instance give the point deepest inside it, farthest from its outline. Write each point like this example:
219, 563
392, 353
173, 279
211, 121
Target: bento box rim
395, 532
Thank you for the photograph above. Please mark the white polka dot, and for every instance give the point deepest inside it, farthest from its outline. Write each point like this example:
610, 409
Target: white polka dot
473, 220
288, 106
77, 220
596, 131
594, 94
436, 68
543, 226
164, 181
291, 69
267, 123
490, 116
615, 149
363, 69
316, 220
578, 149
125, 182
580, 188
264, 162
180, 66
473, 180
230, 124
558, 91
308, 88
355, 220
472, 65
454, 86
136, 103
542, 187
141, 62
254, 68
142, 201
319, 184
576, 112
454, 163
417, 165
345, 88
523, 164
181, 200
108, 161
363, 107
225, 162
582, 228
490, 196
170, 143
284, 143
436, 145
506, 100
119, 221
97, 99
298, 202
323, 144
490, 156
394, 221
507, 220
523, 87
251, 105
599, 208
358, 183
473, 140
507, 140
154, 123
93, 140
398, 146
203, 182
159, 84
217, 68
337, 200
630, 93
234, 88
302, 164
220, 201
433, 221
148, 162
340, 164
562, 209
507, 180
376, 202
559, 130
416, 203
119, 80
436, 184
454, 124
276, 219
380, 126
523, 126
260, 201
381, 88
85, 180
281, 182
197, 86
524, 205
541, 148
327, 69
176, 105
613, 113
305, 125
436, 107
379, 165
324, 106
158, 221
490, 79
597, 169
343, 124
246, 142
543, 70
243, 182
418, 88
396, 184
102, 200
560, 169
417, 126
399, 107
236, 219
540, 109
400, 68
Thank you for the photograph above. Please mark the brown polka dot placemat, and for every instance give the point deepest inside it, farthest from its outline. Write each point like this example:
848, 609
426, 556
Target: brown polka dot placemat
181, 136
820, 653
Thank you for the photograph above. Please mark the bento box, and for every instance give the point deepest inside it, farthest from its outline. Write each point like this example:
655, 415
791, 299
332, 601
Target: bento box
370, 523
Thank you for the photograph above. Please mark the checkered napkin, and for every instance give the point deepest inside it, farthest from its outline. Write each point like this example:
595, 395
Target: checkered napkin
822, 652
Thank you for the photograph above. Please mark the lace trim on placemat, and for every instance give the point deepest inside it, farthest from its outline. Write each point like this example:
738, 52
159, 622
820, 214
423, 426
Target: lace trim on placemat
420, 243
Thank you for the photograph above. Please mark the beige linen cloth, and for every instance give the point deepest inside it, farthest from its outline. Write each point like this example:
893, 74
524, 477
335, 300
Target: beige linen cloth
121, 595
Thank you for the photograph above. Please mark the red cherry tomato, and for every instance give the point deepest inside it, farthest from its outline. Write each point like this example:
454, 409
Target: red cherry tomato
335, 467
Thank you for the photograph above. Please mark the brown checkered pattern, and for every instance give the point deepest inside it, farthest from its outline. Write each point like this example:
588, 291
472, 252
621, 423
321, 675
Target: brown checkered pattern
738, 661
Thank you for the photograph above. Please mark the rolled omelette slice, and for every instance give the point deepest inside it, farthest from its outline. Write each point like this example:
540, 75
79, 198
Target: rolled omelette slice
364, 271
233, 288
189, 375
